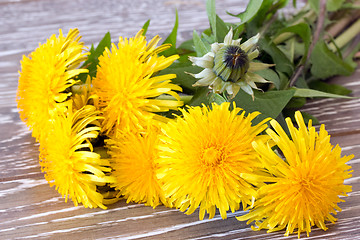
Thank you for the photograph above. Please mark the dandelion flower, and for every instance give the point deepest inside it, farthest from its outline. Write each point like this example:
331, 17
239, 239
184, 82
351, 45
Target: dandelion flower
45, 77
68, 160
202, 156
229, 66
303, 189
127, 88
133, 159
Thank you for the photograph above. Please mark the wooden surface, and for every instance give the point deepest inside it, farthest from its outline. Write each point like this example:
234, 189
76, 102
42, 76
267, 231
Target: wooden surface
30, 209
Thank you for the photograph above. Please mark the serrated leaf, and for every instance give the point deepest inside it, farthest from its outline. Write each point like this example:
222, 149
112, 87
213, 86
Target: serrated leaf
184, 57
201, 47
238, 30
334, 5
301, 92
201, 96
301, 83
221, 29
267, 10
329, 88
270, 75
283, 64
284, 80
104, 43
270, 103
251, 10
291, 55
207, 32
326, 64
145, 27
171, 39
331, 5
211, 12
183, 79
302, 30
93, 59
185, 50
207, 38
281, 4
296, 102
187, 45
314, 4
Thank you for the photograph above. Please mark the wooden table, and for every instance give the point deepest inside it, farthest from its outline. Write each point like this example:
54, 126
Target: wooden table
30, 209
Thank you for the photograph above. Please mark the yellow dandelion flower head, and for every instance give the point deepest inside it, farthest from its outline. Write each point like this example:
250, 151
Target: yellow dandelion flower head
68, 160
229, 66
127, 87
302, 189
45, 76
202, 156
134, 157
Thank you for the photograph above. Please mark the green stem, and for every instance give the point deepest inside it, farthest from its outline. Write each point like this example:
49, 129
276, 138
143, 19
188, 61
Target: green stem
335, 29
346, 36
319, 28
185, 98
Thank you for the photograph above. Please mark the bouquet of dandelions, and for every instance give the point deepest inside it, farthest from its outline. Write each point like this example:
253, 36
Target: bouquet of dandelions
187, 126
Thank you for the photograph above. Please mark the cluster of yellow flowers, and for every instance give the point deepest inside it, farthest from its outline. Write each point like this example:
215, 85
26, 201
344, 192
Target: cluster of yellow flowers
107, 135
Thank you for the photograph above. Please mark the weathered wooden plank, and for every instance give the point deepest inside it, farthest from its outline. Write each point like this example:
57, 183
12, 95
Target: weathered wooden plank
30, 209
341, 116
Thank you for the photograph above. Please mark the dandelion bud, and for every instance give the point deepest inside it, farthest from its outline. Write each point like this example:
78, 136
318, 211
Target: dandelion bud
229, 66
231, 63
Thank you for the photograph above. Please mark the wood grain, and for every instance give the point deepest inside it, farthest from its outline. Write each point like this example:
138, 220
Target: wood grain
30, 209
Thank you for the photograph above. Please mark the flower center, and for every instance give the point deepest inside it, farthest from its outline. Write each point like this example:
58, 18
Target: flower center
231, 63
212, 156
305, 184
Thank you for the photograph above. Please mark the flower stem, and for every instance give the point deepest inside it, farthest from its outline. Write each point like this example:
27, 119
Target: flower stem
315, 38
335, 29
185, 98
346, 36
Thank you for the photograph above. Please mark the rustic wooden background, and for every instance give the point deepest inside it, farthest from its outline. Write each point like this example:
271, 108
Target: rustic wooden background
30, 209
